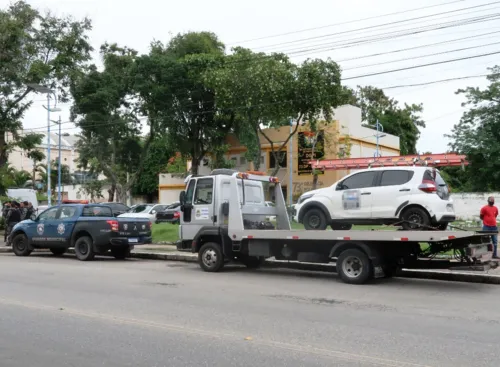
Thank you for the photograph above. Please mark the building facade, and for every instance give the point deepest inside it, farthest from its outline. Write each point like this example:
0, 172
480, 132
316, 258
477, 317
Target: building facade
344, 137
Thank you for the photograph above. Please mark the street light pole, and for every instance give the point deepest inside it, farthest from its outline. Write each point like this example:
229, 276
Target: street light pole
43, 89
290, 179
380, 128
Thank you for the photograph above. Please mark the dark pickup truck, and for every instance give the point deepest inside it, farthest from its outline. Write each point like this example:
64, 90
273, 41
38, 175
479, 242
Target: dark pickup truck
90, 229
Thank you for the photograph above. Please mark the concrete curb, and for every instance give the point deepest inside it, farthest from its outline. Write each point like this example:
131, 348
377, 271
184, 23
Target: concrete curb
415, 274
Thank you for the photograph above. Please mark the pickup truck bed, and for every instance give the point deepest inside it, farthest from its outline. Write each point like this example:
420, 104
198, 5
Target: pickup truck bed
90, 229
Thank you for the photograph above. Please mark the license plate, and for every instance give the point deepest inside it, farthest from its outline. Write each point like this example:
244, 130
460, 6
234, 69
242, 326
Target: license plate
133, 240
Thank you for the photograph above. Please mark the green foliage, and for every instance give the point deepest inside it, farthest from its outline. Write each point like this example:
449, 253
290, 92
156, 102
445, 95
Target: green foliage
93, 189
478, 135
66, 178
177, 165
39, 49
400, 121
155, 162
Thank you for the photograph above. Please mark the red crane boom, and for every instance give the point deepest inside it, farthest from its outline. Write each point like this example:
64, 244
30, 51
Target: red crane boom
434, 160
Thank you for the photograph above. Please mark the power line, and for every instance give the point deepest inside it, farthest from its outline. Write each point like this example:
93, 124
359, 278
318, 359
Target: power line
421, 66
416, 47
344, 23
380, 25
392, 35
436, 81
422, 56
388, 30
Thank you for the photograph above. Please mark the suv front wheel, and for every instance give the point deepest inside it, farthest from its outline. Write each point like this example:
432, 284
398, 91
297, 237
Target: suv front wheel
315, 219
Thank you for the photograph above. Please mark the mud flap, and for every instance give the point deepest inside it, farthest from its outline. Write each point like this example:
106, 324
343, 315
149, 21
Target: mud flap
378, 272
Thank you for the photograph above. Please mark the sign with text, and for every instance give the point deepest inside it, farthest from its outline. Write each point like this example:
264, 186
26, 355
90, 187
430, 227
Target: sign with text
306, 141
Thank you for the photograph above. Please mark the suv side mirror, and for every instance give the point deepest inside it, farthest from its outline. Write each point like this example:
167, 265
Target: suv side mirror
33, 217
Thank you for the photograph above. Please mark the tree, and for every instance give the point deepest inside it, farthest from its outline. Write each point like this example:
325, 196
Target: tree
35, 48
156, 162
314, 93
92, 188
66, 178
403, 122
184, 105
107, 110
478, 134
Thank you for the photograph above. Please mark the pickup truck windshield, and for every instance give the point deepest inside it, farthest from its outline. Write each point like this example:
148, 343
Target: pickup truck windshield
97, 211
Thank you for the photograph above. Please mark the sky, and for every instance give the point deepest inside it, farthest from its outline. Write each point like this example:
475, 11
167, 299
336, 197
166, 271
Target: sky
336, 29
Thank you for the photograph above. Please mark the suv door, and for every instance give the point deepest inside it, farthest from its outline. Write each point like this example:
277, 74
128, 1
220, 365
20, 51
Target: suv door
353, 196
393, 190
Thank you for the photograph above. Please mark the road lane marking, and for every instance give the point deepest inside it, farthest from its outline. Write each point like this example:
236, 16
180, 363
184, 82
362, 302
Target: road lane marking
352, 357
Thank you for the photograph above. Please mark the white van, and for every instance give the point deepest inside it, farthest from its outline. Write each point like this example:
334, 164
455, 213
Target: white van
24, 195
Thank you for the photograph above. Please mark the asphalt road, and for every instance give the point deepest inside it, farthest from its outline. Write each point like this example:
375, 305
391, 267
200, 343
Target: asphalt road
62, 312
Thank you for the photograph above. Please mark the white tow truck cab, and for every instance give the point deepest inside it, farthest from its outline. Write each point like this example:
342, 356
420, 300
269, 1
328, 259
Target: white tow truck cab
223, 220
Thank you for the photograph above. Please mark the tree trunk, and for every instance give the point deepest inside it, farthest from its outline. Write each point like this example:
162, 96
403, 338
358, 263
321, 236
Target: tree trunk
315, 175
195, 165
256, 161
3, 150
111, 193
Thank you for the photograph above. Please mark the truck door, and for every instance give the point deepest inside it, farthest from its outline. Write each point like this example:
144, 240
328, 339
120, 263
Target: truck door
44, 231
199, 207
65, 223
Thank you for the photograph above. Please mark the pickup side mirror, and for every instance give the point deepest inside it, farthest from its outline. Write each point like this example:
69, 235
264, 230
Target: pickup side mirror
153, 211
33, 217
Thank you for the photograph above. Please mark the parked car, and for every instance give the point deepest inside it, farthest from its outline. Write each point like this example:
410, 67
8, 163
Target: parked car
90, 228
171, 214
415, 197
117, 208
144, 211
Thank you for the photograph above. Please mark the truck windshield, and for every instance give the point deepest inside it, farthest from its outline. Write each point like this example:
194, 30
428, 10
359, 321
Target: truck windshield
97, 211
254, 194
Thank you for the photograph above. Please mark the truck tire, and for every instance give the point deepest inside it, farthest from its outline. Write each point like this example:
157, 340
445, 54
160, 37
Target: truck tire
58, 251
315, 219
252, 262
210, 257
20, 245
415, 219
354, 267
120, 253
84, 250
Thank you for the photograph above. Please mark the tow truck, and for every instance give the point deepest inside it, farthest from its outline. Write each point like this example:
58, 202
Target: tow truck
223, 220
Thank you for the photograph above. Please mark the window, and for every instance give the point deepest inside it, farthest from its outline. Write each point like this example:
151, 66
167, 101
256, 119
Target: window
49, 214
118, 207
261, 159
190, 191
395, 177
282, 160
97, 211
234, 161
358, 181
67, 212
204, 190
141, 208
243, 161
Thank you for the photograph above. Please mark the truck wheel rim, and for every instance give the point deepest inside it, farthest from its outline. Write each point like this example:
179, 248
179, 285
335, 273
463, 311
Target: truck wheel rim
20, 245
210, 258
82, 248
352, 267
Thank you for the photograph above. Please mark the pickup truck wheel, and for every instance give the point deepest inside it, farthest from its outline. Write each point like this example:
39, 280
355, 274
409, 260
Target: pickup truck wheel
314, 219
20, 245
83, 249
354, 267
120, 253
415, 219
210, 257
58, 251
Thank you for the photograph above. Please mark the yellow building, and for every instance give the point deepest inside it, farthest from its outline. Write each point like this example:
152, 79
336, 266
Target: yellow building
341, 138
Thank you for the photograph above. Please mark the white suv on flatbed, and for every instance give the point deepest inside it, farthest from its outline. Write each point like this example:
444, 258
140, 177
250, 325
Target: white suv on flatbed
413, 197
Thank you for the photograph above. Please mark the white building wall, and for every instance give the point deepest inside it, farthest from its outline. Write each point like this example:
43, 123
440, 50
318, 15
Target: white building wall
468, 205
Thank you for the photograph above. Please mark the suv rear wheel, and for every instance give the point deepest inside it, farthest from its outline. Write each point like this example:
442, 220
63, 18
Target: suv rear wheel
314, 219
415, 218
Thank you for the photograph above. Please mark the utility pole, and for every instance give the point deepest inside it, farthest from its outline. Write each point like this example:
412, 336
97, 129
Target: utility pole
290, 170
